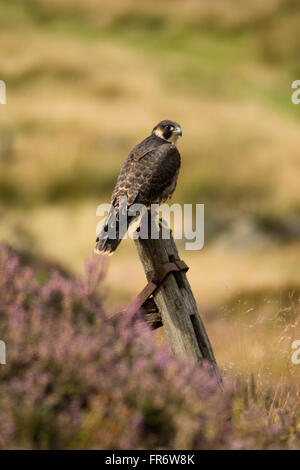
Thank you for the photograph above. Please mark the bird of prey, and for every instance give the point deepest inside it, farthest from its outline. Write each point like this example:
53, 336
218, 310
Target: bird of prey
148, 176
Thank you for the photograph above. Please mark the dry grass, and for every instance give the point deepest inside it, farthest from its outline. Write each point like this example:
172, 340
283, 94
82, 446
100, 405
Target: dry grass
83, 88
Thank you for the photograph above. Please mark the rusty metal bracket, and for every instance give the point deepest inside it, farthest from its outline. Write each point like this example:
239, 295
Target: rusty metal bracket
156, 280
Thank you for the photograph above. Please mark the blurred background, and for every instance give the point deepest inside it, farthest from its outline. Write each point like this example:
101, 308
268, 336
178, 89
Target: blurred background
88, 80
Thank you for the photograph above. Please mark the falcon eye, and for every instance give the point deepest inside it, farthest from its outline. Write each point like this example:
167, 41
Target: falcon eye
170, 128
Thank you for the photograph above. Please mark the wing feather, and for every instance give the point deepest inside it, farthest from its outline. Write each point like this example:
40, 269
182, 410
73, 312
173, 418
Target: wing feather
147, 172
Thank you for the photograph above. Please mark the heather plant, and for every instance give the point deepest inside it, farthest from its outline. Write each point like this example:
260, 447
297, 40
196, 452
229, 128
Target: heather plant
78, 378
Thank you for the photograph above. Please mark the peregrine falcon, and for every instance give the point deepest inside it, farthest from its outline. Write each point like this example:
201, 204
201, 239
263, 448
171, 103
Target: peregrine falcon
148, 176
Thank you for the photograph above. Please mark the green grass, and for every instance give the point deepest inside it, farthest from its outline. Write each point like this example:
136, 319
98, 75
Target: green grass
196, 57
91, 79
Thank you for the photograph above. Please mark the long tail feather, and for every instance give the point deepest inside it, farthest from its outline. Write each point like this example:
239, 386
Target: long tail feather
111, 234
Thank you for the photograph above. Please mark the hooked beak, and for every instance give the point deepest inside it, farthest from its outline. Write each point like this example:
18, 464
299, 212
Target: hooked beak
178, 131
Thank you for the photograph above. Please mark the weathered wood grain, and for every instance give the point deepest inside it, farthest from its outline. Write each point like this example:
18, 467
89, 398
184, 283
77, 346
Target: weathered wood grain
175, 302
151, 314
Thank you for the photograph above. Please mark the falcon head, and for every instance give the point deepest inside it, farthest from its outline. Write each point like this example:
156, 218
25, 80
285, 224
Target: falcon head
167, 130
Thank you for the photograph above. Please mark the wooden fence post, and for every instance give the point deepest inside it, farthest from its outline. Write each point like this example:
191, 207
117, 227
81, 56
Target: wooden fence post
172, 302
